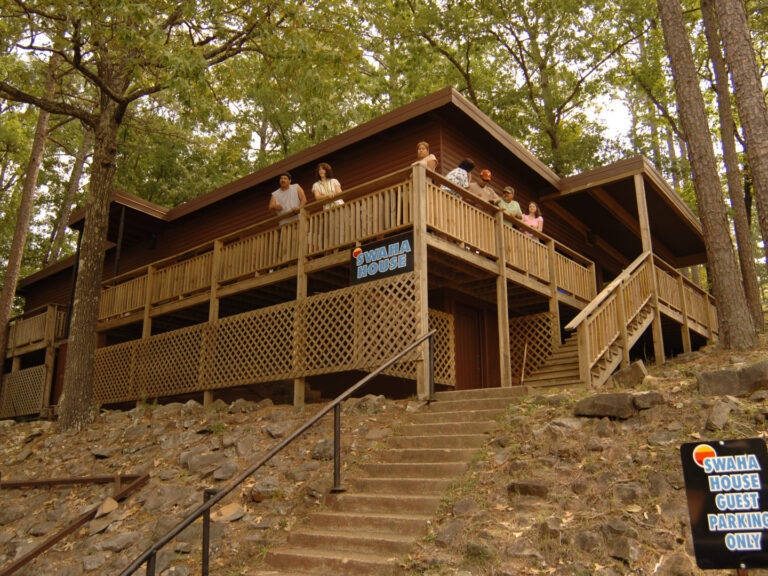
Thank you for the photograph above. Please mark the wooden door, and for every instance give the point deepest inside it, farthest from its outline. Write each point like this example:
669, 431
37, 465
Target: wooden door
469, 337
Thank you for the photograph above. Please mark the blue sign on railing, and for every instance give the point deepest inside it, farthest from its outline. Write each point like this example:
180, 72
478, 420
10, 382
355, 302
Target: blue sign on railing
381, 259
725, 482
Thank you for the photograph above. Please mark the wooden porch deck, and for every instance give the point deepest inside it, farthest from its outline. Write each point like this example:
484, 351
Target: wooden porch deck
263, 303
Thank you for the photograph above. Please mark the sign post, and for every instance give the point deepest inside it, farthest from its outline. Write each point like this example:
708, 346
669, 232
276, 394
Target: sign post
725, 483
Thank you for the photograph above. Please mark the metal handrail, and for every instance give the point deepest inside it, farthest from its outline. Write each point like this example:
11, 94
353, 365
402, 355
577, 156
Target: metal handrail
212, 497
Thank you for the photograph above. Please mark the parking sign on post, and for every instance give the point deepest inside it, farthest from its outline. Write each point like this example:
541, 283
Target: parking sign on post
725, 483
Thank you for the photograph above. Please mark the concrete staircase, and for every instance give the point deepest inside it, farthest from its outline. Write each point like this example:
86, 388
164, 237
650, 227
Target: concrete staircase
370, 528
560, 369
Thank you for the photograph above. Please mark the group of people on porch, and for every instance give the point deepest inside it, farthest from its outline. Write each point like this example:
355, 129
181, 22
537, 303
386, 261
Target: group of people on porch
289, 198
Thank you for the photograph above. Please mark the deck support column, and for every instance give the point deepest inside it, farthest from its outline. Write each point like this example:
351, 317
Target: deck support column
622, 311
146, 323
50, 357
685, 331
300, 334
502, 304
419, 199
209, 338
645, 237
554, 308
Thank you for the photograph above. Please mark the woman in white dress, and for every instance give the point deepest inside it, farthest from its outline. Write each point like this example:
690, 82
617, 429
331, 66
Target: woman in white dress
327, 186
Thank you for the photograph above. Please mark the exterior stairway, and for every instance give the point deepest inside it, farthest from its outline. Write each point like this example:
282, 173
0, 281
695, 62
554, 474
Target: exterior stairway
560, 369
389, 502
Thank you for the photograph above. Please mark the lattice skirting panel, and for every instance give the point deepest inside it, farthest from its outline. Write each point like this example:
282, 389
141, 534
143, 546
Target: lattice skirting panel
536, 330
21, 393
355, 328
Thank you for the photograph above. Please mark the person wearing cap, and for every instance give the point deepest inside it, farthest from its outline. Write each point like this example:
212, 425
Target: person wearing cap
483, 189
509, 204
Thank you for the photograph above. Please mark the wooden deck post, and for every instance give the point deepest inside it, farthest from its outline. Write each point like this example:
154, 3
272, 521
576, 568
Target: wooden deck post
502, 304
300, 334
585, 374
711, 310
209, 336
146, 325
50, 357
554, 308
622, 312
685, 331
645, 237
419, 197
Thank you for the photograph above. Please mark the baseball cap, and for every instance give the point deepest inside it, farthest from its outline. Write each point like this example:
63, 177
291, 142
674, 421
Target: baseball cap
485, 174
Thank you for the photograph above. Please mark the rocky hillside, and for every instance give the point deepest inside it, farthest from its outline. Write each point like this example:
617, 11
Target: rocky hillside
558, 489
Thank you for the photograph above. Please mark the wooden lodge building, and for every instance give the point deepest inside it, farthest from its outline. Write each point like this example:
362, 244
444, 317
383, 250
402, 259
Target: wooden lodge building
214, 295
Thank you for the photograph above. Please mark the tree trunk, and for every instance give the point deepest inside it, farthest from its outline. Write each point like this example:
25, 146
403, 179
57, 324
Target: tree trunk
77, 409
745, 251
750, 100
24, 214
736, 326
57, 235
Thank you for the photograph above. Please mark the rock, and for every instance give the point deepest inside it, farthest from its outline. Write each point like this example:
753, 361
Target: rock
630, 377
528, 489
676, 564
228, 513
624, 549
718, 416
465, 507
265, 488
629, 492
447, 534
723, 382
278, 430
323, 449
109, 505
568, 423
226, 471
369, 404
612, 405
118, 542
94, 561
302, 472
646, 400
206, 464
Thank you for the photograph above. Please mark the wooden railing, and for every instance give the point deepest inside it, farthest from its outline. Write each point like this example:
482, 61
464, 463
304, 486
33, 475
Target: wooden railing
683, 296
602, 325
369, 211
464, 218
616, 318
38, 326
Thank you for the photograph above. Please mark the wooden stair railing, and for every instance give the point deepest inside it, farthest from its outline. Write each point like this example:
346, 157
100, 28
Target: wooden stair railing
609, 325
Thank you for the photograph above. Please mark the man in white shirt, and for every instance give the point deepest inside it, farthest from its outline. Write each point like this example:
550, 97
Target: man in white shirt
288, 199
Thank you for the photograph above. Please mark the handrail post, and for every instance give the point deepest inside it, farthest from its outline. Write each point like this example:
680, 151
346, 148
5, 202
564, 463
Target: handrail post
207, 531
431, 397
337, 450
151, 561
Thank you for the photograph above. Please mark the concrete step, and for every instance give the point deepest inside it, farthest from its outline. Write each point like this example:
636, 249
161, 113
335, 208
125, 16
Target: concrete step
433, 429
497, 403
410, 470
412, 525
475, 441
434, 417
552, 384
480, 393
326, 562
343, 540
427, 455
414, 486
384, 503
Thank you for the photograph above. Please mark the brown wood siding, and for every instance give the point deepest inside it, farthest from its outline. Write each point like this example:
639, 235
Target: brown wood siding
382, 154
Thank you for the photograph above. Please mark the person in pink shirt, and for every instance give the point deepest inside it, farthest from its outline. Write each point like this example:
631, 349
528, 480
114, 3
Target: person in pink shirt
533, 218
